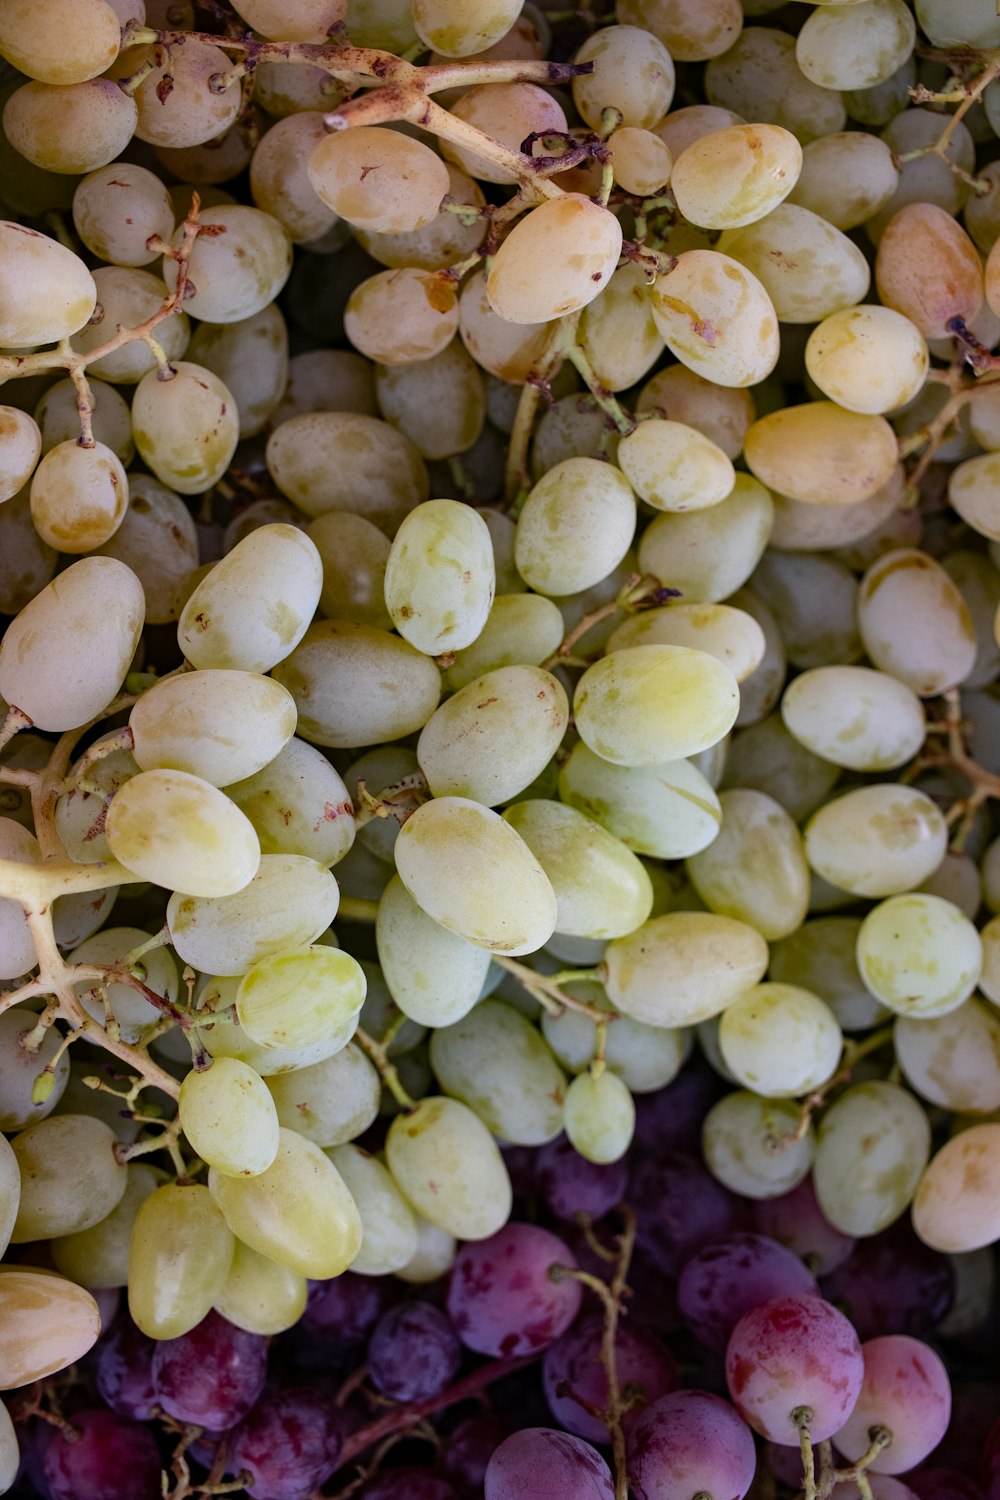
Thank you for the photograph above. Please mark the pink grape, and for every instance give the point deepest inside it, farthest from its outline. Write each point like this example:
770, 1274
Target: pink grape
690, 1442
113, 1459
905, 1389
541, 1464
212, 1375
790, 1353
502, 1299
573, 1374
727, 1278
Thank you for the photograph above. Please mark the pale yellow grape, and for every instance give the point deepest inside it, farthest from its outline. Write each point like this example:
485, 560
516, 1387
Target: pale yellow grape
793, 583
127, 295
633, 72
846, 177
557, 258
301, 996
192, 111
803, 526
179, 1257
674, 467
878, 840
507, 350
118, 208
158, 540
58, 417
65, 656
450, 1169
79, 814
330, 1102
973, 491
472, 873
346, 460
186, 426
989, 979
952, 1061
730, 635
618, 332
760, 79
354, 553
855, 717
692, 29
495, 735
642, 161
70, 1178
928, 269
434, 1254
575, 526
357, 685
914, 622
181, 832
46, 292
442, 242
957, 1205
293, 20
402, 316
683, 967
520, 630
873, 1146
237, 272
65, 43
868, 359
855, 46
389, 1228
755, 870
47, 1323
644, 1057
434, 975
819, 452
378, 179
134, 1014
708, 554
738, 1142
820, 957
70, 128
250, 357
219, 724
279, 179
508, 113
98, 1257
717, 318
440, 577
18, 1071
920, 955
682, 127
780, 1040
10, 1192
602, 890
599, 1116
20, 448
289, 88
438, 403
254, 606
722, 413
736, 175
298, 805
644, 704
227, 1038
229, 1118
457, 28
260, 1295
666, 810
298, 1212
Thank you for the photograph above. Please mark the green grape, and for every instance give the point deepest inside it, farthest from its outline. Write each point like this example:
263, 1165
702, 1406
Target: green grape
70, 1177
847, 177
841, 50
439, 403
683, 967
736, 175
19, 1069
227, 1038
439, 577
260, 1295
177, 830
557, 258
289, 902
354, 553
602, 891
914, 622
330, 1102
47, 1323
780, 1040
298, 805
250, 357
921, 956
756, 868
450, 1168
302, 997
433, 1256
347, 460
872, 1149
617, 330
159, 542
952, 1061
356, 685
98, 1257
856, 717
389, 1229
717, 318
179, 1257
229, 1118
644, 1057
220, 725
234, 274
469, 870
820, 957
838, 275
129, 296
10, 1193
646, 704
575, 526
599, 1116
434, 975
117, 209
134, 1014
731, 635
495, 1061
868, 359
380, 1011
814, 600
752, 1145
494, 736
765, 757
667, 810
186, 426
299, 1212
708, 554
520, 630
878, 840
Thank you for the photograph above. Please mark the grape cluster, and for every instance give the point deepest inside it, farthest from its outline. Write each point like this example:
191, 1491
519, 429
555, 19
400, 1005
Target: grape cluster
520, 484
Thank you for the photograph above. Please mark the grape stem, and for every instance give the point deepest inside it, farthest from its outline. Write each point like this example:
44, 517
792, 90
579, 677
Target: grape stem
802, 1417
852, 1054
930, 438
548, 991
387, 1070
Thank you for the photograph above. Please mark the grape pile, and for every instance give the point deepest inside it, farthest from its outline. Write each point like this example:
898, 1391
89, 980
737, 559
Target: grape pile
521, 484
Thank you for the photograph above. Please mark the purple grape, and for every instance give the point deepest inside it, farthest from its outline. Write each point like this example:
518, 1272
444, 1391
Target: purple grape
289, 1444
469, 1448
673, 1116
343, 1311
540, 1464
576, 1383
790, 1353
501, 1297
785, 1465
109, 1301
906, 1389
690, 1442
796, 1220
408, 1484
893, 1283
212, 1375
414, 1352
571, 1185
113, 1459
124, 1371
724, 1280
680, 1208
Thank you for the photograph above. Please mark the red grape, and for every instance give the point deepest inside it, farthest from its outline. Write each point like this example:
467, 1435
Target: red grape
905, 1389
414, 1352
113, 1459
540, 1464
687, 1443
727, 1278
212, 1375
792, 1353
573, 1374
502, 1299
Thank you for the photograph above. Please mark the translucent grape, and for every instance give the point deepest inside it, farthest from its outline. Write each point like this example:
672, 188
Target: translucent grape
856, 50
690, 1441
599, 1116
846, 177
575, 526
494, 1061
820, 957
873, 1146
331, 1102
534, 277
905, 1389
520, 630
602, 891
667, 810
179, 1257
221, 725
98, 1257
819, 452
299, 807
724, 1280
72, 128
439, 577
435, 976
179, 831
186, 426
708, 554
953, 1062
645, 704
735, 175
955, 1209
260, 1295
738, 1141
402, 316
716, 317
455, 29
692, 31
914, 622
674, 467
495, 735
448, 1165
633, 73
756, 868
70, 1177
878, 840
868, 359
301, 997
780, 1040
65, 45
388, 1226
683, 967
229, 1118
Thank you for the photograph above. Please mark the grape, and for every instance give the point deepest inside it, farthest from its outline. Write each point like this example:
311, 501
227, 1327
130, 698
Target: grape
873, 1146
569, 1184
795, 1219
434, 975
470, 1446
494, 1061
229, 1118
576, 1384
301, 998
111, 1459
186, 426
534, 278
158, 541
300, 21
795, 1351
841, 51
602, 890
754, 1146
683, 1208
47, 1324
914, 622
520, 630
905, 1389
820, 957
191, 111
756, 836
181, 832
408, 1484
179, 1257
124, 1371
868, 359
72, 129
538, 1463
955, 1208
878, 840
717, 318
456, 29
855, 717
919, 955
211, 1375
724, 1280
129, 296
389, 1230
644, 704
250, 357
439, 576
414, 1352
448, 1166
674, 467
70, 1177
967, 22
954, 1063
690, 1442
259, 1294
708, 554
354, 553
847, 177
289, 1444
736, 175
289, 903
928, 269
193, 723
98, 1257
617, 330
770, 1025
575, 527
378, 179
683, 967
58, 417
893, 1283
819, 452
66, 44
599, 1116
668, 810
117, 209
20, 446
507, 350
439, 403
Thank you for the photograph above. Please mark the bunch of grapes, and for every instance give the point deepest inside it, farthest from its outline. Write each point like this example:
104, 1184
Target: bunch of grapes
522, 485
